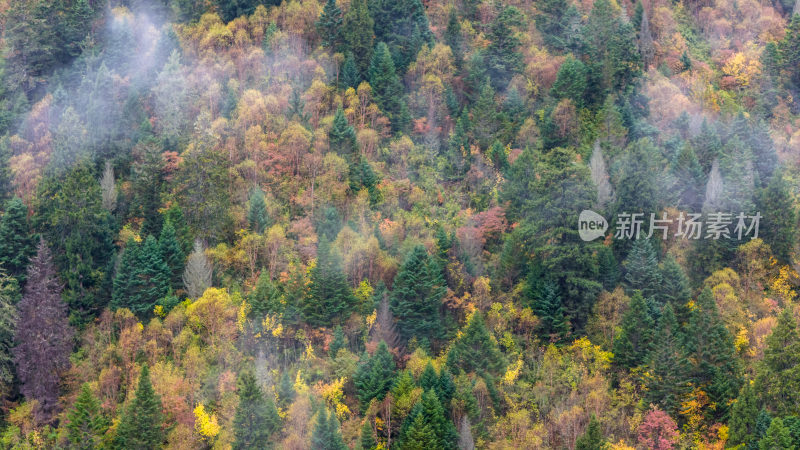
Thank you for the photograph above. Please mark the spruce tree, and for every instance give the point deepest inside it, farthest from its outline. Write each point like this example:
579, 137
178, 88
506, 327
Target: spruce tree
571, 81
778, 375
592, 438
374, 375
403, 26
503, 59
329, 299
634, 341
43, 336
285, 390
420, 436
428, 378
265, 298
257, 215
9, 297
329, 25
358, 33
669, 368
454, 39
387, 90
367, 439
326, 434
342, 137
674, 284
429, 408
558, 21
778, 226
172, 255
550, 310
776, 437
475, 350
641, 269
339, 342
87, 424
140, 285
608, 268
256, 416
349, 76
416, 296
140, 426
744, 414
17, 243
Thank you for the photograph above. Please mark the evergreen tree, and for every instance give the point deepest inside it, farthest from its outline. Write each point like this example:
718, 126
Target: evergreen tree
485, 119
342, 137
778, 375
339, 342
428, 378
367, 439
143, 278
285, 390
430, 409
174, 216
709, 345
172, 255
374, 376
548, 307
674, 284
777, 437
558, 22
6, 175
16, 242
420, 436
265, 298
257, 215
363, 177
608, 268
571, 81
502, 56
634, 341
669, 369
475, 350
140, 426
416, 296
326, 434
454, 39
592, 438
641, 269
87, 424
608, 41
43, 336
744, 413
9, 297
330, 299
197, 275
350, 76
358, 33
779, 218
329, 25
387, 90
403, 26
256, 416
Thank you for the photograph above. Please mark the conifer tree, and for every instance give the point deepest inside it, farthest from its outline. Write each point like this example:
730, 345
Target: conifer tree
592, 438
329, 25
43, 336
87, 424
744, 414
558, 21
420, 436
257, 215
339, 342
634, 341
342, 137
143, 278
778, 375
454, 39
669, 367
285, 390
778, 226
416, 296
550, 310
358, 33
172, 255
367, 439
350, 76
430, 409
608, 268
16, 242
197, 275
330, 299
641, 269
502, 56
140, 425
571, 81
256, 416
374, 375
776, 437
9, 297
674, 284
326, 434
428, 378
265, 297
403, 26
387, 90
475, 349
485, 121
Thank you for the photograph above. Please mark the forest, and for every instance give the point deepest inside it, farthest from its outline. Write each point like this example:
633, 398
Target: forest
399, 224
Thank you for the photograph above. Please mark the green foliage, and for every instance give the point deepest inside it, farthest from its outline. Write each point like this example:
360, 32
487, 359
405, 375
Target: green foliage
777, 375
502, 56
339, 342
350, 75
558, 22
257, 215
342, 137
358, 34
329, 25
326, 434
744, 413
403, 26
87, 424
416, 296
367, 439
374, 376
475, 349
453, 37
609, 42
9, 296
330, 299
592, 438
548, 306
16, 241
778, 226
777, 437
140, 427
634, 341
265, 298
387, 89
571, 81
668, 366
172, 255
256, 417
143, 278
437, 432
641, 269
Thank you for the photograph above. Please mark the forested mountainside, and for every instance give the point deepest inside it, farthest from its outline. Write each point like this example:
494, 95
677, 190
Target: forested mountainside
399, 224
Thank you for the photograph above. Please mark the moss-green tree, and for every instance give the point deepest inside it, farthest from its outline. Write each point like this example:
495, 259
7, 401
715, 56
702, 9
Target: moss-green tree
87, 423
140, 425
256, 416
416, 296
16, 241
330, 299
387, 89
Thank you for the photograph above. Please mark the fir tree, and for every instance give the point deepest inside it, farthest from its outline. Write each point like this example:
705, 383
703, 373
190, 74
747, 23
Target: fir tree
285, 390
143, 278
571, 81
367, 439
9, 297
87, 424
140, 427
669, 368
558, 21
641, 269
475, 349
779, 218
592, 438
744, 413
387, 90
502, 56
776, 437
674, 284
16, 242
257, 215
172, 255
634, 341
330, 299
416, 296
454, 39
428, 378
256, 417
265, 298
549, 309
358, 33
403, 26
329, 25
374, 376
608, 268
778, 375
339, 342
485, 121
350, 76
326, 434
430, 409
420, 436
342, 137
43, 336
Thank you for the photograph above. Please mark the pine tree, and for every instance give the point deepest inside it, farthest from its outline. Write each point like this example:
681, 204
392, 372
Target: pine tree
257, 215
454, 39
197, 275
416, 296
403, 26
358, 33
429, 408
329, 25
374, 375
16, 242
326, 434
256, 415
143, 279
502, 56
330, 299
779, 218
777, 437
592, 438
669, 369
641, 269
744, 413
475, 350
339, 342
778, 375
9, 297
367, 439
87, 424
387, 90
172, 255
571, 81
550, 310
342, 137
43, 336
634, 341
140, 427
350, 76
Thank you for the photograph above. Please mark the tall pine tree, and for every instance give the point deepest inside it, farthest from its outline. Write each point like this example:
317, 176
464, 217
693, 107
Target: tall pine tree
16, 242
387, 90
141, 424
416, 296
256, 416
330, 299
87, 423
